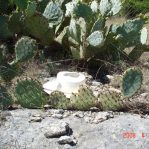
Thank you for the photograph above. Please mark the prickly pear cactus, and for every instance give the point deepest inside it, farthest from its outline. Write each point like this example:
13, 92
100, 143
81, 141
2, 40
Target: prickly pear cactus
4, 31
131, 81
110, 100
86, 30
15, 22
25, 48
8, 71
84, 99
58, 100
53, 13
5, 99
4, 6
96, 39
31, 8
38, 27
84, 11
128, 34
110, 7
29, 94
21, 4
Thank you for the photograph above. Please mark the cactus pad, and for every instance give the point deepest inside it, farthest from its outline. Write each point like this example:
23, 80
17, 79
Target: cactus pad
4, 31
25, 48
38, 27
110, 7
53, 13
31, 8
8, 72
110, 100
15, 22
131, 81
5, 99
96, 39
29, 94
58, 100
21, 4
84, 99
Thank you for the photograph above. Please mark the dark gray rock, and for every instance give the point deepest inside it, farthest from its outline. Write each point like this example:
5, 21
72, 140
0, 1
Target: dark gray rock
67, 140
56, 130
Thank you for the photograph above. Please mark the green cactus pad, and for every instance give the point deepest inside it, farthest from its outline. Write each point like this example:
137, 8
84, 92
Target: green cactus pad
21, 4
4, 6
136, 53
74, 30
38, 27
15, 22
53, 13
84, 11
131, 81
130, 32
58, 100
84, 99
31, 8
4, 31
41, 5
98, 25
110, 100
5, 99
29, 94
96, 39
110, 7
25, 48
8, 72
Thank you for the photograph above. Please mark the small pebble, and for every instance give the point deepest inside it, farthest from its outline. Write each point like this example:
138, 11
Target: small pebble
58, 116
79, 114
35, 119
67, 140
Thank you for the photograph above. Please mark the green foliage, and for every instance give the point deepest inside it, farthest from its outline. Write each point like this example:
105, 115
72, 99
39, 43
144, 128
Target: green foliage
90, 37
29, 94
84, 99
58, 100
25, 49
133, 7
110, 100
4, 31
53, 13
5, 99
4, 5
21, 4
131, 82
8, 71
38, 27
128, 34
96, 39
41, 5
110, 7
15, 22
31, 8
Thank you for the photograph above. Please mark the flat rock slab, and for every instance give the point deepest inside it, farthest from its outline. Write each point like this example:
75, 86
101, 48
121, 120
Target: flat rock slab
123, 131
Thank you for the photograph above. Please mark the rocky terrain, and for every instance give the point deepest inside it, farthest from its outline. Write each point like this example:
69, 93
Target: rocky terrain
59, 129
